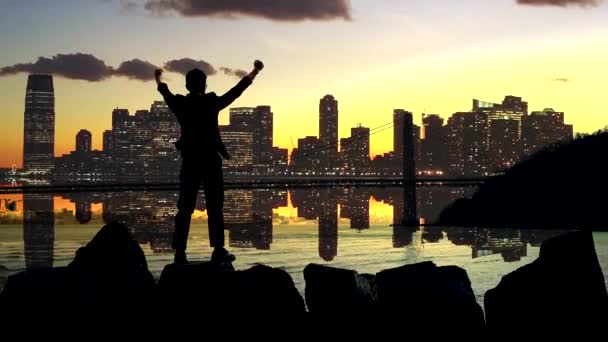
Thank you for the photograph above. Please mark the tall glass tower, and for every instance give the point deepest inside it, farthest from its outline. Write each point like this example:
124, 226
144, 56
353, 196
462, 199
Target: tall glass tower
328, 131
39, 126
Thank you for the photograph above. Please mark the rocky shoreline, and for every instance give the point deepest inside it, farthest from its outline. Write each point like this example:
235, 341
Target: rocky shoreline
108, 284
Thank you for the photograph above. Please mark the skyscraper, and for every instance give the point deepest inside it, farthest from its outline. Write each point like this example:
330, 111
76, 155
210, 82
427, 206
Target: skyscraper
305, 158
129, 140
467, 144
239, 144
107, 142
355, 149
505, 144
39, 125
328, 131
142, 145
83, 141
544, 128
279, 160
122, 124
242, 118
504, 123
263, 134
140, 148
433, 149
259, 122
165, 131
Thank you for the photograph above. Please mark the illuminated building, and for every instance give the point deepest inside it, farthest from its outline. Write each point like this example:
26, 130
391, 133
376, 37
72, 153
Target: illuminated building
84, 141
39, 126
328, 132
467, 144
354, 150
305, 158
544, 128
239, 144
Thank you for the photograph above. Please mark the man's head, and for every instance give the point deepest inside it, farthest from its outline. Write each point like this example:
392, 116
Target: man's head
196, 81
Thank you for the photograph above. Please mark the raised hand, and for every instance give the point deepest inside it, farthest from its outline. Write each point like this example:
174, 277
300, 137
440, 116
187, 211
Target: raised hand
258, 65
157, 74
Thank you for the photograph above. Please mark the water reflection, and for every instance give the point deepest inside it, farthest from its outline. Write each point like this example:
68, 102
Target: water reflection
250, 216
38, 230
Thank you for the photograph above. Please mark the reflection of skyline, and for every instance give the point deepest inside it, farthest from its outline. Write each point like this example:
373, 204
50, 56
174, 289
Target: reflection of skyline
38, 230
249, 217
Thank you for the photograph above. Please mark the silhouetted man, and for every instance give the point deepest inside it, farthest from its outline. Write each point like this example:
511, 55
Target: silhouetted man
202, 150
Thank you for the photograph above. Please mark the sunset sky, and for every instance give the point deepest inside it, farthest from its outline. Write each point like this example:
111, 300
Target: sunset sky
430, 56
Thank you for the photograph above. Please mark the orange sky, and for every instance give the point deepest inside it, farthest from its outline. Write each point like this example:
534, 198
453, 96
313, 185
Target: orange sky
433, 57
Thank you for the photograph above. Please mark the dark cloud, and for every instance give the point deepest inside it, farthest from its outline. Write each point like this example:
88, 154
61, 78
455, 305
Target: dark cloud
560, 79
184, 65
561, 3
279, 10
234, 72
136, 69
77, 66
80, 66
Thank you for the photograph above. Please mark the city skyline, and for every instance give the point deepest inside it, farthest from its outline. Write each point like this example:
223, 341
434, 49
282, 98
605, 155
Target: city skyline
397, 61
490, 138
329, 127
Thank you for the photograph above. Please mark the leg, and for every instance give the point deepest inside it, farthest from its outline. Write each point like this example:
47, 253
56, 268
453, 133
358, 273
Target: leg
213, 183
189, 183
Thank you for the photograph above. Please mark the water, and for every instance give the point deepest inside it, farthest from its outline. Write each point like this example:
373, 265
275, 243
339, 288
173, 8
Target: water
344, 227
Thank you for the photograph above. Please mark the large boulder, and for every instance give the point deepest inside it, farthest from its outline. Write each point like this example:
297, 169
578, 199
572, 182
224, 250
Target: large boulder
108, 281
331, 291
564, 289
225, 295
426, 296
115, 259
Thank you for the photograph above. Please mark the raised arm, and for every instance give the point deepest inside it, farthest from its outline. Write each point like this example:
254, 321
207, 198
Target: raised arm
234, 93
163, 89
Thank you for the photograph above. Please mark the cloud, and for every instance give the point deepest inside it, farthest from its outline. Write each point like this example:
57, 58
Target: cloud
136, 69
184, 65
86, 67
77, 66
561, 3
560, 79
234, 72
278, 10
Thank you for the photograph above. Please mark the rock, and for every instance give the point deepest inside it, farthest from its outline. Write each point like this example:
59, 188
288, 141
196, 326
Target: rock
258, 293
108, 281
330, 291
115, 257
267, 289
35, 295
198, 285
426, 296
563, 288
